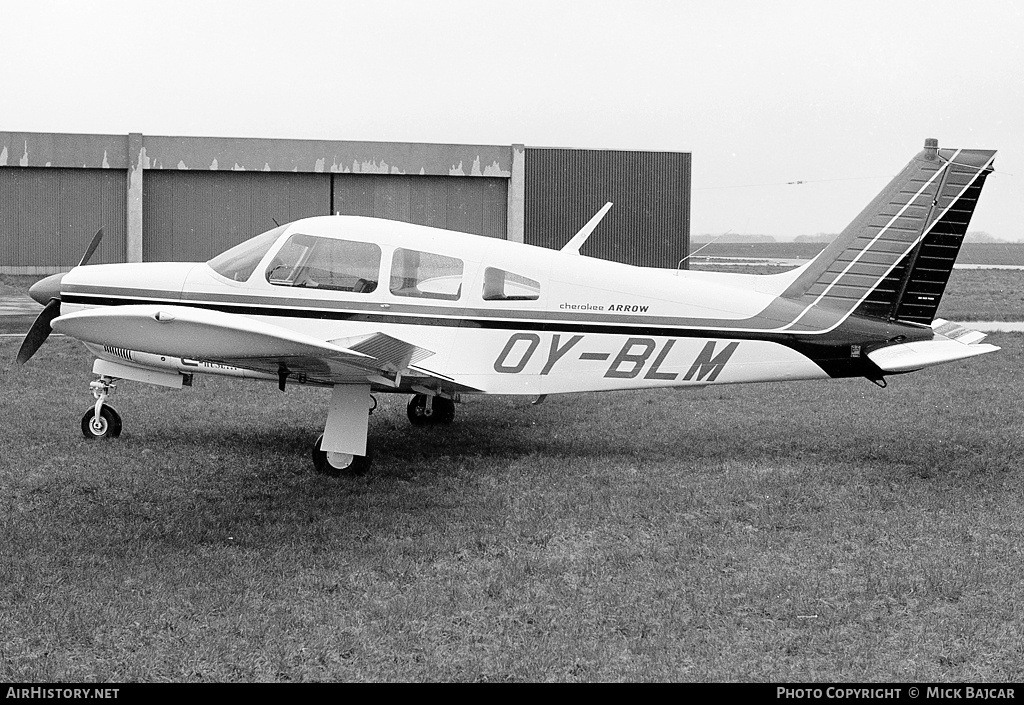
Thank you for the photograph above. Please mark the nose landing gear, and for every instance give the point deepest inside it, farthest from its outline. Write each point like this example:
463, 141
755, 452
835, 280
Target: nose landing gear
101, 421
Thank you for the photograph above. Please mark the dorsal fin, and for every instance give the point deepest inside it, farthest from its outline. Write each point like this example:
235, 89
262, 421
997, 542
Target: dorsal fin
573, 246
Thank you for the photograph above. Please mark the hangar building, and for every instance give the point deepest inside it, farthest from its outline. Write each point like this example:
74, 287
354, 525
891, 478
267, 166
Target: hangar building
189, 198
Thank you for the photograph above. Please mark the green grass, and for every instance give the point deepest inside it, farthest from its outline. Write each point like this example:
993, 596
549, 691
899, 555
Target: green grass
807, 531
984, 295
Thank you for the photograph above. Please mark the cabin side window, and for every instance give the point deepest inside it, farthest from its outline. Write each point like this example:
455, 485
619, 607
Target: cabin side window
325, 263
500, 285
426, 275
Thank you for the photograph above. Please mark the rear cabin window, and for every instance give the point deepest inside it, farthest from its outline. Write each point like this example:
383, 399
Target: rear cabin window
426, 275
500, 285
313, 262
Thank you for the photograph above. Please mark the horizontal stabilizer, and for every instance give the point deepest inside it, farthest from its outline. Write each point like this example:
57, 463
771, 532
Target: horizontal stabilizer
951, 342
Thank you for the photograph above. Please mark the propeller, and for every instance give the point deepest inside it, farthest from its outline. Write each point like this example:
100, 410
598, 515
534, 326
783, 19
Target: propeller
47, 292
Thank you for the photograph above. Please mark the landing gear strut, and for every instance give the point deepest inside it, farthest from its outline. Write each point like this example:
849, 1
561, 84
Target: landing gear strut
426, 410
101, 421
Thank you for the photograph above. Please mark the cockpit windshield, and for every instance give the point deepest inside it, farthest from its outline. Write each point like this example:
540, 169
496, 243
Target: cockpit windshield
240, 261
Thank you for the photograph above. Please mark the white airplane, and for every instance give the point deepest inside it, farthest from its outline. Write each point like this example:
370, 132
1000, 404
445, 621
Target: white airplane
365, 305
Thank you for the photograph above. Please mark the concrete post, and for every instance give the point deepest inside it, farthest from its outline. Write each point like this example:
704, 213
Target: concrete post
138, 162
517, 196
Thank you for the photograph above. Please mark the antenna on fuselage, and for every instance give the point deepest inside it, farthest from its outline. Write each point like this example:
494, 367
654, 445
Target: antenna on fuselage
712, 242
573, 246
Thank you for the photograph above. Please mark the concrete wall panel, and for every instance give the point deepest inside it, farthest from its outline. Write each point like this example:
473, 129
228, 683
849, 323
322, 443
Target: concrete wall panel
471, 205
48, 216
194, 215
649, 223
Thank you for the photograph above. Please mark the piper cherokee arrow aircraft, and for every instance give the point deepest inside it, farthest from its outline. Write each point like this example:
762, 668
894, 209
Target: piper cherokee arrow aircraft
365, 305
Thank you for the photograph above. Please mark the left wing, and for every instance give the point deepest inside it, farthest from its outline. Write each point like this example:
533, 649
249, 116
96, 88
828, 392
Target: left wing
239, 341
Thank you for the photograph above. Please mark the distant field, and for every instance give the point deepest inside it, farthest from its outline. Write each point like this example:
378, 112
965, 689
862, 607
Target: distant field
970, 253
14, 284
780, 532
984, 295
972, 294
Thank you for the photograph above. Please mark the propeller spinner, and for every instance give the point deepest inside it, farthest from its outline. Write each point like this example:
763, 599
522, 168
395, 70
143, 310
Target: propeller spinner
47, 292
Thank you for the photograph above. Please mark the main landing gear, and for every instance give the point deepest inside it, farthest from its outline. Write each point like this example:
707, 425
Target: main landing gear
343, 447
426, 410
101, 421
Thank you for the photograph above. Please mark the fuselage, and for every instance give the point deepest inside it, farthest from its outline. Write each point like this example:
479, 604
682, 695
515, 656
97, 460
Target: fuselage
498, 317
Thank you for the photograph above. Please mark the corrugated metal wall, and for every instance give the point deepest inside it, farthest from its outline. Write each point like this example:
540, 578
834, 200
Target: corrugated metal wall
649, 225
190, 216
477, 205
48, 216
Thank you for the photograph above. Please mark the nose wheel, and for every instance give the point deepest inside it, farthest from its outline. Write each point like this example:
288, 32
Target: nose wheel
106, 425
101, 421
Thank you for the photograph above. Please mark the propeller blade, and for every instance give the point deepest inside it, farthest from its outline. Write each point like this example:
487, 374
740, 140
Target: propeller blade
92, 247
49, 288
39, 331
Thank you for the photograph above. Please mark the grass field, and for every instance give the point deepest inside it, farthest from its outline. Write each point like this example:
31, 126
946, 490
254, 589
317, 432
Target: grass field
803, 532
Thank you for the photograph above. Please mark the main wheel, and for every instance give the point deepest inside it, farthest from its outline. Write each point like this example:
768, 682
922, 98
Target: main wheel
442, 411
417, 411
330, 463
108, 425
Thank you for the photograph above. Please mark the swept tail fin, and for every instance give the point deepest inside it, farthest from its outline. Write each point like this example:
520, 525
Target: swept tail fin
893, 261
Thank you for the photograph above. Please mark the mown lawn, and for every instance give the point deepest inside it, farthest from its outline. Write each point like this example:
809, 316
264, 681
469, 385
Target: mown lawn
803, 532
984, 295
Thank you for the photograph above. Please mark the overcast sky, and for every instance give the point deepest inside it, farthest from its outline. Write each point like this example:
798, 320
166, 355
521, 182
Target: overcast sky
839, 95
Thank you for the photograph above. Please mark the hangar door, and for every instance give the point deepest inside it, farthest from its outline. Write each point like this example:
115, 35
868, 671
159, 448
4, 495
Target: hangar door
469, 204
190, 216
49, 215
649, 225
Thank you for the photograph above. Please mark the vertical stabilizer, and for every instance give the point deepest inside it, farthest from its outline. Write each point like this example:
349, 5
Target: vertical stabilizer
894, 260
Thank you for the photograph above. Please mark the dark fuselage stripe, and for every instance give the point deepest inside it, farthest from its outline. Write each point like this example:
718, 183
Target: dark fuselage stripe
433, 320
